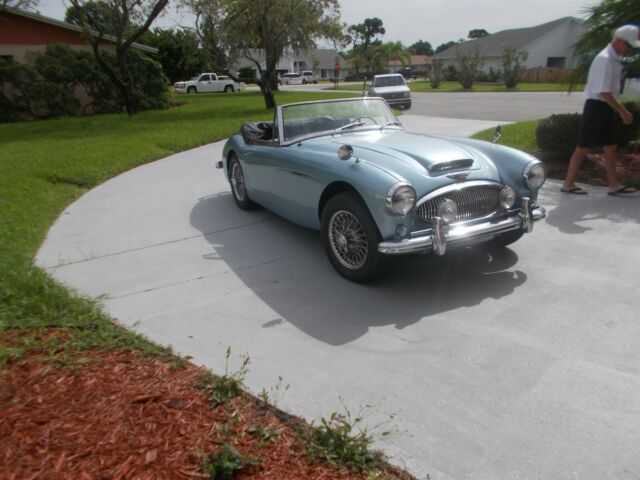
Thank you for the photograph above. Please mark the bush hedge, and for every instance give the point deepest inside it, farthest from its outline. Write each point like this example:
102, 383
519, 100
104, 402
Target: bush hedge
557, 135
46, 85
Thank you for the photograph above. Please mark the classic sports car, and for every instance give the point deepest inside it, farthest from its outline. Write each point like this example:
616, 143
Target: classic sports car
347, 168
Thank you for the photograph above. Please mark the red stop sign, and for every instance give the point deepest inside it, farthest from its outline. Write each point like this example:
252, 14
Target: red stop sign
337, 66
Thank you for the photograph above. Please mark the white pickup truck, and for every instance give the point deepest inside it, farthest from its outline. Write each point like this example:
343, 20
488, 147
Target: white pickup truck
207, 83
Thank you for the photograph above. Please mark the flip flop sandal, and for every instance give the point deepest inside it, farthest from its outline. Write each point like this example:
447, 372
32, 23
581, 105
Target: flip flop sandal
575, 191
623, 191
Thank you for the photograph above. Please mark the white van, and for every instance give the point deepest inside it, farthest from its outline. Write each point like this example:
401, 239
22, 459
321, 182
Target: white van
308, 77
291, 78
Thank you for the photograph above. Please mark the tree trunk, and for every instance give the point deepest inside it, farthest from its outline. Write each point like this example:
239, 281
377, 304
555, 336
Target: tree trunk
267, 93
128, 94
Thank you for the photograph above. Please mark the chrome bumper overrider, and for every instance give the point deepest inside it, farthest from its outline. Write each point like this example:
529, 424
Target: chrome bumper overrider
441, 235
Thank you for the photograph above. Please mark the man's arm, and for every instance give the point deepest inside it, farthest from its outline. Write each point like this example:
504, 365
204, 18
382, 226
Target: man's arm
626, 115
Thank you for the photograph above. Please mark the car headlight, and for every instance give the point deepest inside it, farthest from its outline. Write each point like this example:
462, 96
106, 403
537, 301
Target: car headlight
507, 197
401, 198
534, 175
407, 94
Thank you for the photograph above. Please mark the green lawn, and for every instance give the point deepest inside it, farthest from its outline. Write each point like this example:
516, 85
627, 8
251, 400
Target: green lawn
424, 86
518, 135
46, 165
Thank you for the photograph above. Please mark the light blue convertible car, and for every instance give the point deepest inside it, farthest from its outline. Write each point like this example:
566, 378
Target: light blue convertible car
347, 168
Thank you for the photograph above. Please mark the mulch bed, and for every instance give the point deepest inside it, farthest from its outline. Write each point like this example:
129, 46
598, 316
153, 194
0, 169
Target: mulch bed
119, 415
593, 171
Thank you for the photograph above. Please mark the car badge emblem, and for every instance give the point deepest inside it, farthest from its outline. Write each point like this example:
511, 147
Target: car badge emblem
458, 177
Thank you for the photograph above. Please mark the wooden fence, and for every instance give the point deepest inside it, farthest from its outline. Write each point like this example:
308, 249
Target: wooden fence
544, 75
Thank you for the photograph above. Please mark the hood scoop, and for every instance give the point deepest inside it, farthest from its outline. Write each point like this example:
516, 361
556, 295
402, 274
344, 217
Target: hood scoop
450, 165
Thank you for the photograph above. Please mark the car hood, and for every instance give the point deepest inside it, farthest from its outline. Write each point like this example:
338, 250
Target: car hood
393, 89
424, 153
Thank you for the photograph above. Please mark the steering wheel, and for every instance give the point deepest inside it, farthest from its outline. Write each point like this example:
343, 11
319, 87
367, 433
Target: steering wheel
365, 117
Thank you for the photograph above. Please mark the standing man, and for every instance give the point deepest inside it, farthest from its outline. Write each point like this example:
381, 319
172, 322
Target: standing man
600, 111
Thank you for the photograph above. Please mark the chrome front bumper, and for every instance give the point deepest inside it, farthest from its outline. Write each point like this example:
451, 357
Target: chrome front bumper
440, 235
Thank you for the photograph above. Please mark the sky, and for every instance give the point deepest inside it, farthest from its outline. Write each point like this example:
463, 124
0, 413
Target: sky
435, 21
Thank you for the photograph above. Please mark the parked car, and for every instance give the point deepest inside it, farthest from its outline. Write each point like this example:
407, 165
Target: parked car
393, 88
206, 83
347, 168
409, 73
291, 78
308, 77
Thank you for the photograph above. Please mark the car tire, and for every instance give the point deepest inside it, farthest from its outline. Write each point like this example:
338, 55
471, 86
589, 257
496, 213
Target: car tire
238, 185
228, 88
192, 90
350, 238
505, 239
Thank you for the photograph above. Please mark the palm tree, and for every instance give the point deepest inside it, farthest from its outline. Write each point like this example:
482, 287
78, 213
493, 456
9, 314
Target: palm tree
602, 22
385, 53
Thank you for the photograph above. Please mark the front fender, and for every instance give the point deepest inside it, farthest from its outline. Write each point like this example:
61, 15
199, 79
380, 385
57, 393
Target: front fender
510, 162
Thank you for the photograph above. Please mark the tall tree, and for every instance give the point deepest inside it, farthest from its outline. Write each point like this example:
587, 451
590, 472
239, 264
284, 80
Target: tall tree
19, 4
364, 35
132, 18
273, 26
445, 46
209, 17
421, 47
477, 33
100, 12
385, 53
178, 52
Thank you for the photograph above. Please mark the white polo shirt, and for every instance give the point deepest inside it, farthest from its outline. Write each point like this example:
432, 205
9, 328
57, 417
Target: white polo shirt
605, 75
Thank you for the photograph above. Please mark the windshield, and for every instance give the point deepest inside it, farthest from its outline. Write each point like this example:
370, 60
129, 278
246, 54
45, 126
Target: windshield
393, 81
304, 119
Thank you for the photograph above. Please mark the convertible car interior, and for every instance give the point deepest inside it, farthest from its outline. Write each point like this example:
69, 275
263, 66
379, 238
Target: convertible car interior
262, 133
257, 133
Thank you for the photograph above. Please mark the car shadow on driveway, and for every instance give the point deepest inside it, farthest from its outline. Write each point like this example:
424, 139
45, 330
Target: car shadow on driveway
286, 267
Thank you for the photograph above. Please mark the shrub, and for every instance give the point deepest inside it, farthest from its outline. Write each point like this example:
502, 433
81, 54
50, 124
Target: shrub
468, 65
513, 65
631, 133
45, 86
436, 73
558, 134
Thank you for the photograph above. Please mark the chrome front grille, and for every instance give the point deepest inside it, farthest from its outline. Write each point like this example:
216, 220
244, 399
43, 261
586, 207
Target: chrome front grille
393, 95
473, 202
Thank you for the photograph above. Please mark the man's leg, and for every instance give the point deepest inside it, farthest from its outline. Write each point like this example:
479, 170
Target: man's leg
574, 165
611, 159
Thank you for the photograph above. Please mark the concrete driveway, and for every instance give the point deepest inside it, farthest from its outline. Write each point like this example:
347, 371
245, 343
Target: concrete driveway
524, 364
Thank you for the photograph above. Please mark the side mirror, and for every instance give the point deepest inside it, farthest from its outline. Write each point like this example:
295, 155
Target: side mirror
345, 152
497, 133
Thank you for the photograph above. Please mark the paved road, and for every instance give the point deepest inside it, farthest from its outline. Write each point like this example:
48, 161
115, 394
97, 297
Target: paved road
513, 107
506, 107
523, 364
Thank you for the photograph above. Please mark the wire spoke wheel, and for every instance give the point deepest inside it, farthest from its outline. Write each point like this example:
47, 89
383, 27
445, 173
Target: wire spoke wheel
348, 240
237, 181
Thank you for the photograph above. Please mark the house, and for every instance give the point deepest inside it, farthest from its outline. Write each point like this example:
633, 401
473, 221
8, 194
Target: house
548, 45
321, 61
23, 32
419, 65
